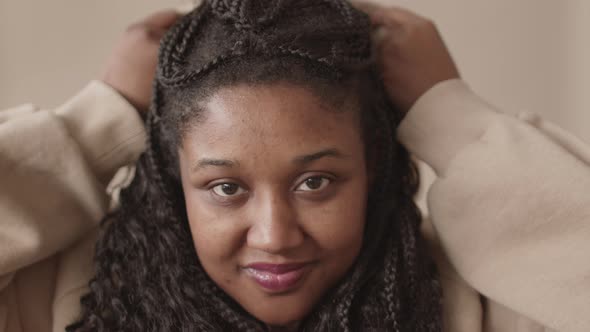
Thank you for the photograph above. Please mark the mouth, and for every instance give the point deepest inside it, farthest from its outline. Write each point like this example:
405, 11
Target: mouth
277, 278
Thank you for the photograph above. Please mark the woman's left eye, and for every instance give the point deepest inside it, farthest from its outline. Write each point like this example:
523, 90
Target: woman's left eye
314, 183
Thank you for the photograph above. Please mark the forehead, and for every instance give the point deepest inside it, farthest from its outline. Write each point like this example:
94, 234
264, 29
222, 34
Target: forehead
282, 116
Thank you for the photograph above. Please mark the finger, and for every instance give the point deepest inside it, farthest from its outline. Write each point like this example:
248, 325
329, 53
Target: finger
157, 34
392, 17
365, 6
402, 14
379, 36
371, 9
143, 32
161, 20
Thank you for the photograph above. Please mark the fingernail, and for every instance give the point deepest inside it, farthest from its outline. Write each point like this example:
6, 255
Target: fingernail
380, 34
187, 6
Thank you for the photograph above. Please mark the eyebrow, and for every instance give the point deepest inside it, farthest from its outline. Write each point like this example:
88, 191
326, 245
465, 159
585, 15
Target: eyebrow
207, 162
300, 160
309, 158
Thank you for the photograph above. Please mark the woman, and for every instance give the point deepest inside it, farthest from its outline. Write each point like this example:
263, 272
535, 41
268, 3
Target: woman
247, 211
235, 183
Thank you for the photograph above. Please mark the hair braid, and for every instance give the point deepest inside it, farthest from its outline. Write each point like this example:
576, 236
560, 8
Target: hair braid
181, 80
152, 127
385, 138
343, 312
302, 53
391, 291
274, 11
189, 32
166, 61
216, 296
149, 277
344, 8
409, 251
242, 22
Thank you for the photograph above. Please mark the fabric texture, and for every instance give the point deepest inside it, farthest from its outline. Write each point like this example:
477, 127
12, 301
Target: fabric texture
510, 207
54, 167
508, 214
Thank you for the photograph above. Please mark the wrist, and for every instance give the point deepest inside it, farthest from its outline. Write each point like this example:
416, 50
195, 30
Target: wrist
106, 127
140, 107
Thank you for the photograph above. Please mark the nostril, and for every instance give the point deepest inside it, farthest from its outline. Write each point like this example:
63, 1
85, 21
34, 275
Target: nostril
275, 236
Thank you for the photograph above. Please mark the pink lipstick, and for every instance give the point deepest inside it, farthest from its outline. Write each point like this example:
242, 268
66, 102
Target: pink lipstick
277, 278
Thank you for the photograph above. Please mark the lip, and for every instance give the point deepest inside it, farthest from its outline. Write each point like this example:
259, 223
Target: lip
277, 278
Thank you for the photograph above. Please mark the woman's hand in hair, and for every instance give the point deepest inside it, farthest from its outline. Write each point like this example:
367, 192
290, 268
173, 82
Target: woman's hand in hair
410, 52
131, 66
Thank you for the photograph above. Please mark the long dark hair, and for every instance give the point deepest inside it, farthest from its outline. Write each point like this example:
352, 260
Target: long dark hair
148, 276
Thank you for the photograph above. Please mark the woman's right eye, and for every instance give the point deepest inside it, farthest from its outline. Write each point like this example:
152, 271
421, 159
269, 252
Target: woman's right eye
228, 190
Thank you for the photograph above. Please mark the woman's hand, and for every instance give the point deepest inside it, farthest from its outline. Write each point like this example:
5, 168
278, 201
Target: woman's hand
410, 52
132, 65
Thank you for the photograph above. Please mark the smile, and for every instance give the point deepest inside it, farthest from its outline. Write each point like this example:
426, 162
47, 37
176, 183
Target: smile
277, 278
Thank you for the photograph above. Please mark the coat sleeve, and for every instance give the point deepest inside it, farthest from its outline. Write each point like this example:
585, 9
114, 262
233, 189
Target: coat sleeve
510, 204
54, 167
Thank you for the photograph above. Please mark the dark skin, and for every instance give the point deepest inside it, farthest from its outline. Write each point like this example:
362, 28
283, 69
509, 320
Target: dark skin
272, 216
131, 67
411, 54
299, 193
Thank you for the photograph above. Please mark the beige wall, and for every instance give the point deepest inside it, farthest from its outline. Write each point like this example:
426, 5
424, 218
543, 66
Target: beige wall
579, 68
523, 55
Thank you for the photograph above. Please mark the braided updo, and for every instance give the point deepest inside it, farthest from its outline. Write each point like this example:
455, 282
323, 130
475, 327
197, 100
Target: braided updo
148, 276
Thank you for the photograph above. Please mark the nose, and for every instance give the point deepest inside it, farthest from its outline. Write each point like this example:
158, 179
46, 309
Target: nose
275, 228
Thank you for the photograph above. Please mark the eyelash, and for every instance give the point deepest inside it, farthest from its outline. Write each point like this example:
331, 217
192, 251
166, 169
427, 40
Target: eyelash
328, 181
220, 186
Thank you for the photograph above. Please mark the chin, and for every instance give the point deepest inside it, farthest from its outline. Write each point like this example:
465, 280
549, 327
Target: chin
281, 314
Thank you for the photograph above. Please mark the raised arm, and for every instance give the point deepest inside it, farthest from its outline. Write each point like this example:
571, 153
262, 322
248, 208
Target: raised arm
55, 164
54, 167
511, 203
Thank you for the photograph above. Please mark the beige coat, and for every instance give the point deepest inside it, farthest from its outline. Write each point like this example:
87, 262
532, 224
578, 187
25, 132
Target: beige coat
510, 209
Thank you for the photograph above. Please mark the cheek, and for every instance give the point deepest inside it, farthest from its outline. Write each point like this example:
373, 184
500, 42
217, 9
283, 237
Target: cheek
215, 241
337, 228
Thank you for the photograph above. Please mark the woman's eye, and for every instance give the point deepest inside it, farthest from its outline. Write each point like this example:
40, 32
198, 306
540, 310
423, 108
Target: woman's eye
228, 189
315, 183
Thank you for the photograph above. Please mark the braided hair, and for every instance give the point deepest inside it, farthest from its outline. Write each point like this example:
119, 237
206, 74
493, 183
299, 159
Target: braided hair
148, 276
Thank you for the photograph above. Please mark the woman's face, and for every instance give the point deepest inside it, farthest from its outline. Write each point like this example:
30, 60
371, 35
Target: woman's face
275, 184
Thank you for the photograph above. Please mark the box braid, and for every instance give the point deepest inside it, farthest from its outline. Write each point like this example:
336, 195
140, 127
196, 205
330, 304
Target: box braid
148, 277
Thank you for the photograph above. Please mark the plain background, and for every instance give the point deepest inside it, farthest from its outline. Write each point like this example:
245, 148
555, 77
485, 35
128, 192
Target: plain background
521, 55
